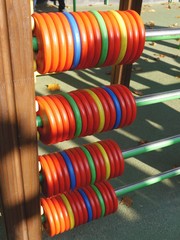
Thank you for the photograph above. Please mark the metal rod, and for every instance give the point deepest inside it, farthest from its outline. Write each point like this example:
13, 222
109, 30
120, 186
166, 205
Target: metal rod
157, 98
162, 34
74, 5
147, 182
151, 34
148, 147
152, 146
141, 184
142, 101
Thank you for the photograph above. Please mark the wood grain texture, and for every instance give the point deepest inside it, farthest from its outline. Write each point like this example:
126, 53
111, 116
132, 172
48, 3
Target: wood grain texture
19, 182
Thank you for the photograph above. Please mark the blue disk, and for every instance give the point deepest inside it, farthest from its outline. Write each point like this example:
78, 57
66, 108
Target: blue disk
70, 169
76, 38
117, 106
87, 203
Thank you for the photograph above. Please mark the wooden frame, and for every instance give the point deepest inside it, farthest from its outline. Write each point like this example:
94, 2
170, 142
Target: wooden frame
19, 183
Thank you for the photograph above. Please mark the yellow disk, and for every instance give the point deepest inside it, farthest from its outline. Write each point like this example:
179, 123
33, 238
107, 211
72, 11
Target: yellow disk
70, 211
100, 109
123, 31
106, 159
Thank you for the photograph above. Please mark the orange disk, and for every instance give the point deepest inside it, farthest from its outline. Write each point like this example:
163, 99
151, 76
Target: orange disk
61, 41
69, 41
43, 57
53, 41
84, 42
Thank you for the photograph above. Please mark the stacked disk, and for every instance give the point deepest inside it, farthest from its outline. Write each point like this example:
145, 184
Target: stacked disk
84, 112
80, 166
77, 40
71, 209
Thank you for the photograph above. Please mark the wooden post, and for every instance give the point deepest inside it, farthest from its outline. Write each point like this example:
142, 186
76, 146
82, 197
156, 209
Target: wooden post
122, 73
19, 184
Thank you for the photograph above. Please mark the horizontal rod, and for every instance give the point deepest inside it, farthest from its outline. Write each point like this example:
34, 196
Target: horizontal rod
150, 35
141, 184
147, 182
152, 146
162, 34
142, 101
157, 98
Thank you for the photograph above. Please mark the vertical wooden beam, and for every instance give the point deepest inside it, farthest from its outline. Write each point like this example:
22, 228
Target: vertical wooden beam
122, 73
19, 184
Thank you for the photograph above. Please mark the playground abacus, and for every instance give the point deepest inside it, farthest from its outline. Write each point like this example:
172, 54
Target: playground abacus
74, 182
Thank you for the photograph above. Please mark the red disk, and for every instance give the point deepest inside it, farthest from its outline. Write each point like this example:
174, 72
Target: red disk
49, 224
96, 201
91, 200
75, 167
130, 38
141, 29
135, 36
86, 164
97, 38
60, 214
90, 40
105, 198
127, 103
53, 173
105, 107
110, 156
133, 103
48, 184
101, 161
69, 41
116, 159
95, 160
80, 166
54, 214
71, 117
111, 204
117, 37
94, 108
112, 109
122, 104
121, 159
113, 195
111, 45
78, 207
48, 131
64, 212
84, 42
73, 206
88, 111
83, 206
59, 172
65, 170
82, 112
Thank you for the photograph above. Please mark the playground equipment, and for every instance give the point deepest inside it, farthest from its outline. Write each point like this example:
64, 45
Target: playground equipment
19, 175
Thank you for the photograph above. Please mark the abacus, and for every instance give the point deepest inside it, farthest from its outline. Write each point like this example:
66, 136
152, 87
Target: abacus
19, 169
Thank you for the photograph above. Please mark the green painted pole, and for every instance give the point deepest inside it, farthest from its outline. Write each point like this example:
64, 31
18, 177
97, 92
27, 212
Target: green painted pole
142, 101
106, 2
147, 182
152, 146
162, 34
74, 5
157, 98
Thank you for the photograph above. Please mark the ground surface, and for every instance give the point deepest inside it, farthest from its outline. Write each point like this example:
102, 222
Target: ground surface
154, 212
